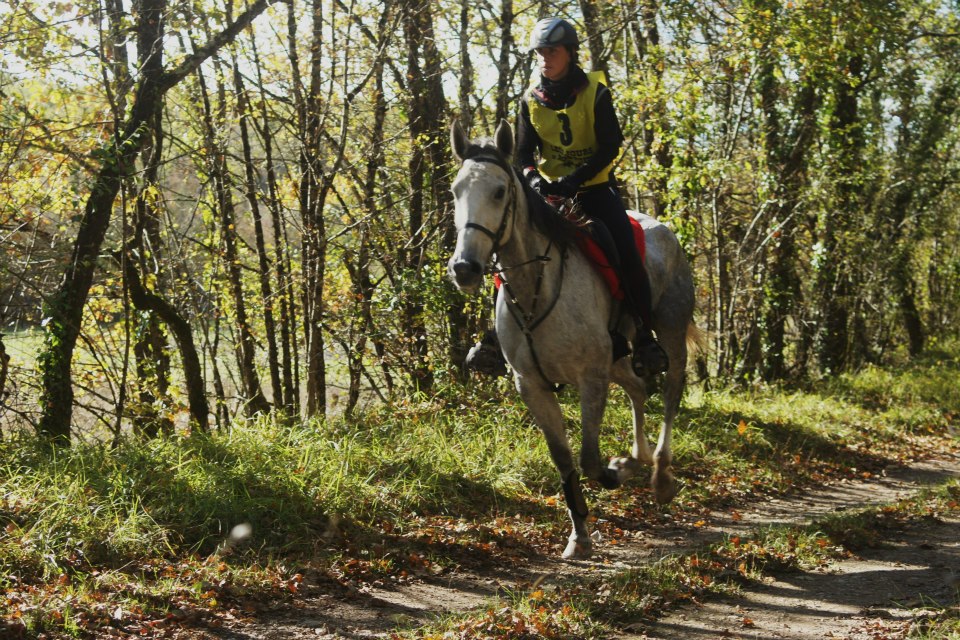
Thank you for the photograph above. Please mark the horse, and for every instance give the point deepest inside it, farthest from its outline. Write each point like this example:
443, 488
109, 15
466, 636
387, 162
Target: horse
554, 317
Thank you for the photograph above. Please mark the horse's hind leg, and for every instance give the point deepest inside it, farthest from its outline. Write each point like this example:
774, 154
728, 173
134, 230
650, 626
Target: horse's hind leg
594, 388
636, 390
662, 480
546, 413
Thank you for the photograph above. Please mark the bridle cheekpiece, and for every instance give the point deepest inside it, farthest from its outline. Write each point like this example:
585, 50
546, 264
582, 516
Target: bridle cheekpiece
509, 208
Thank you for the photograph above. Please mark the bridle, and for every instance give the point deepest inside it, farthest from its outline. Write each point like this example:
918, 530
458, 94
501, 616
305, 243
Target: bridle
527, 321
509, 208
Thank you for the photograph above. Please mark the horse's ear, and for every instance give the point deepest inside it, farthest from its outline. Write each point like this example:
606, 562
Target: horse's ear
458, 140
503, 138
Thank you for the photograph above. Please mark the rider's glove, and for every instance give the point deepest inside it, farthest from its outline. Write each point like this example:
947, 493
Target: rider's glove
536, 182
564, 187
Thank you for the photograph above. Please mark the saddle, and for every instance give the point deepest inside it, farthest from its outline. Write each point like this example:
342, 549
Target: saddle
597, 245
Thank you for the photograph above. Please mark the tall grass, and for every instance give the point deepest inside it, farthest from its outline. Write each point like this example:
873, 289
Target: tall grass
443, 455
288, 482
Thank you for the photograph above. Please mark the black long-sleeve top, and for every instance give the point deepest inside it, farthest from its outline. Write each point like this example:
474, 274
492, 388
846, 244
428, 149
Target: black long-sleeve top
559, 95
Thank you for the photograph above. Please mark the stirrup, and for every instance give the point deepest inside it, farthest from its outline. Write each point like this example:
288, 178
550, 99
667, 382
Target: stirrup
649, 358
485, 357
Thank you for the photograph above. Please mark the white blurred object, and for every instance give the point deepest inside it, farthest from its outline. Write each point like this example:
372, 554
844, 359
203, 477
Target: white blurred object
240, 532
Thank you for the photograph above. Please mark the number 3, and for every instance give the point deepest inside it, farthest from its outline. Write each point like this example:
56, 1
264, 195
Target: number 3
566, 135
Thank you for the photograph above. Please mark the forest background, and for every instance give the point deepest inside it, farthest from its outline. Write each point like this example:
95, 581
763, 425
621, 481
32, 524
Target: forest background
217, 209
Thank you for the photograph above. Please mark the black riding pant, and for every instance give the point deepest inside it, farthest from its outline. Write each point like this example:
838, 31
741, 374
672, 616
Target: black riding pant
604, 204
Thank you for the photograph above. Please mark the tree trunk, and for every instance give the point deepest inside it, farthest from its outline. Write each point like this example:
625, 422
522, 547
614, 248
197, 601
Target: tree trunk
786, 157
834, 279
287, 396
192, 370
314, 227
466, 66
244, 344
504, 67
4, 368
653, 118
146, 248
222, 412
376, 161
427, 127
594, 34
263, 262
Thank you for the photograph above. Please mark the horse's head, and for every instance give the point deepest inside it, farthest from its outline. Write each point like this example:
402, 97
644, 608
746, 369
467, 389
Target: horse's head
485, 200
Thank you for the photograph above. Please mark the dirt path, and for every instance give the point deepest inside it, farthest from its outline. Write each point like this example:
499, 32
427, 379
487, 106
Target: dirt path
872, 595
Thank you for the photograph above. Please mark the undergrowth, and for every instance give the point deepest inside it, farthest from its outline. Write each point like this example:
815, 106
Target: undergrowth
149, 531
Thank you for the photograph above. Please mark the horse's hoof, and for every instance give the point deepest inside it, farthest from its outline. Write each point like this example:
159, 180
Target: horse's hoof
578, 550
609, 478
624, 467
665, 486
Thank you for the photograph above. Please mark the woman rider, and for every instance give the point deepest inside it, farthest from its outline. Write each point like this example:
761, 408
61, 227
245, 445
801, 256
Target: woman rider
568, 137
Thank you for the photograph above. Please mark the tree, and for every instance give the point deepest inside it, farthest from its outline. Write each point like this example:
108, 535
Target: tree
65, 307
805, 155
427, 127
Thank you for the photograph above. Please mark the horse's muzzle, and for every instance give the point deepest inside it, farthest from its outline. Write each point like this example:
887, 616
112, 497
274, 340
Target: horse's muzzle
466, 274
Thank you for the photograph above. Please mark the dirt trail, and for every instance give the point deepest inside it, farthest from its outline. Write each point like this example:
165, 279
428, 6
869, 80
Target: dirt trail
872, 595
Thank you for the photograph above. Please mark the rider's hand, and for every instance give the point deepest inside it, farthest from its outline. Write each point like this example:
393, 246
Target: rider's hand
537, 182
564, 187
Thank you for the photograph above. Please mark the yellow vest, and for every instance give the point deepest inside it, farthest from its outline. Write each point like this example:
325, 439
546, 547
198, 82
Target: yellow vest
568, 136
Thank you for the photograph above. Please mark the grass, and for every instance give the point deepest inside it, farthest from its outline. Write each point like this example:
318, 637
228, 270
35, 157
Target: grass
940, 623
139, 536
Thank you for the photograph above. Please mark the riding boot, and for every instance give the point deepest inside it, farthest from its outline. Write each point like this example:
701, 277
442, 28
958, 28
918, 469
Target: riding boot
649, 358
486, 356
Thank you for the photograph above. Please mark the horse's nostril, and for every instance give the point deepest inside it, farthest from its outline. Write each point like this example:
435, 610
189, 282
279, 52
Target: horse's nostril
466, 272
466, 268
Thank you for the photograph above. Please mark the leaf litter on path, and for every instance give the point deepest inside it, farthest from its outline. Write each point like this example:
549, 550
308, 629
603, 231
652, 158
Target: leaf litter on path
874, 594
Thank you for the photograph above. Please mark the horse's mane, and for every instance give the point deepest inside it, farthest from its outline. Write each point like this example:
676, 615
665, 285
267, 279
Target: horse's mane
544, 217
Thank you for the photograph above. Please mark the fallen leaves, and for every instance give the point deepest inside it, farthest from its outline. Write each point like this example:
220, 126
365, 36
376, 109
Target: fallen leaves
144, 601
550, 620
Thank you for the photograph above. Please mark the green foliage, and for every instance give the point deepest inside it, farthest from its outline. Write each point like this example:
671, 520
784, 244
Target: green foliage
820, 243
291, 484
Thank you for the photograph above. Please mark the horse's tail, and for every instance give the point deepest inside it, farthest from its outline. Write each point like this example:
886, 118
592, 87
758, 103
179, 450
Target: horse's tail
696, 339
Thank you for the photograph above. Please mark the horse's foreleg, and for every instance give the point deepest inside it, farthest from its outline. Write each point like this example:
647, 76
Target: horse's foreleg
579, 544
546, 413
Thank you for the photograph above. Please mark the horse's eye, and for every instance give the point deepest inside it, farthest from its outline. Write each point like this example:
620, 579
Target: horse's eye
499, 193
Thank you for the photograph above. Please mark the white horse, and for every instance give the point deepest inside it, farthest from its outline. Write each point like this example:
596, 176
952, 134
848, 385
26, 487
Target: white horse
554, 314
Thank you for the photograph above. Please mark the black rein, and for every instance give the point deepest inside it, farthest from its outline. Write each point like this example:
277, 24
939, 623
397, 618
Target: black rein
526, 321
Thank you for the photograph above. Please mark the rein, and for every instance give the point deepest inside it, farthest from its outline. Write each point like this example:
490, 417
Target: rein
527, 321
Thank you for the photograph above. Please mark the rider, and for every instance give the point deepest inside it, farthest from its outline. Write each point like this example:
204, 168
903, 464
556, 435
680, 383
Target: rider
568, 120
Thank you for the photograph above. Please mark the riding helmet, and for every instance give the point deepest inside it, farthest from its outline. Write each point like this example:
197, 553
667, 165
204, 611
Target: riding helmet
553, 32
